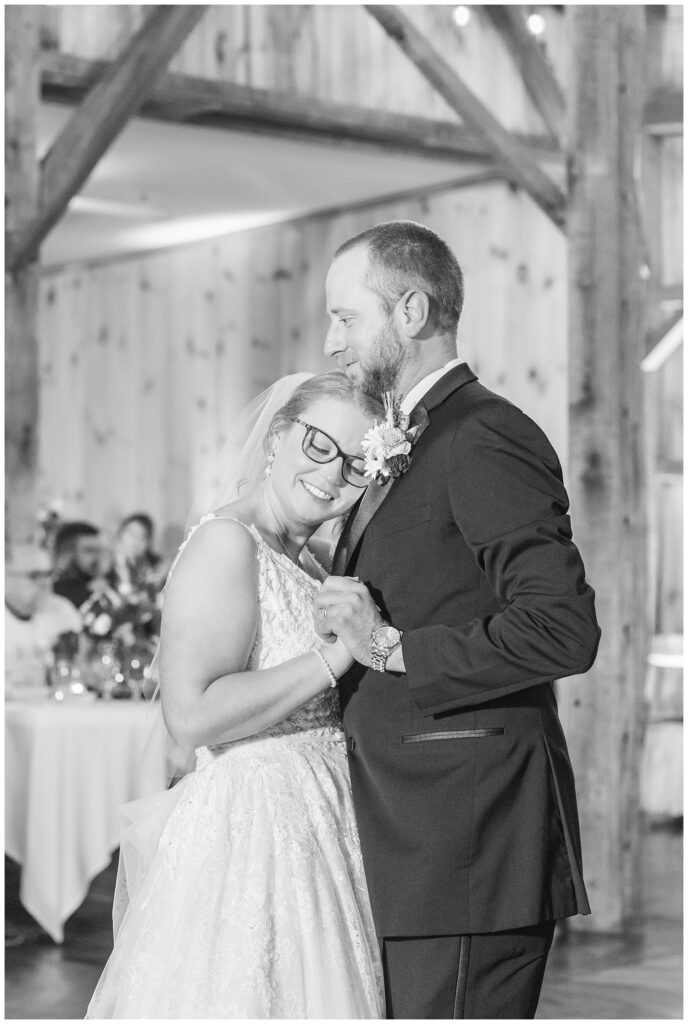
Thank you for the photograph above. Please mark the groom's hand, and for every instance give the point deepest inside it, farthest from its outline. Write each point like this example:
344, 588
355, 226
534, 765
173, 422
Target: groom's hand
344, 608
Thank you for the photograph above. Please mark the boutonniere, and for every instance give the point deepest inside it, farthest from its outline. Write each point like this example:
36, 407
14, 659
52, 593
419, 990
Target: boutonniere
387, 445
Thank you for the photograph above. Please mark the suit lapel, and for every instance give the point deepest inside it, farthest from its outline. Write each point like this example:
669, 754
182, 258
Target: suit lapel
376, 493
447, 385
369, 504
356, 524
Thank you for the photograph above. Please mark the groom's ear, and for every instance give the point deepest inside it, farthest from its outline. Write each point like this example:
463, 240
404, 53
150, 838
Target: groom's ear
414, 309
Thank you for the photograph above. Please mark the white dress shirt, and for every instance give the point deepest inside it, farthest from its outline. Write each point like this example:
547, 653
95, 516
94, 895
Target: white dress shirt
420, 390
29, 642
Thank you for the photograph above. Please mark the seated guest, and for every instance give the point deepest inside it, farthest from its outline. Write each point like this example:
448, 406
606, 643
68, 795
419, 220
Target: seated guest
136, 566
77, 554
34, 618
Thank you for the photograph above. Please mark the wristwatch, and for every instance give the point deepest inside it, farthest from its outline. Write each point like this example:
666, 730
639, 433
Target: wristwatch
383, 641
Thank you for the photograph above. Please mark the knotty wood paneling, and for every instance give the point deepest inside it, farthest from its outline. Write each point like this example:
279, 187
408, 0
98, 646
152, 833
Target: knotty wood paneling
144, 361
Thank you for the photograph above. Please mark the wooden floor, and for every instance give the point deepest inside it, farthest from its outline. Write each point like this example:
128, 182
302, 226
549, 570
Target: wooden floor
636, 976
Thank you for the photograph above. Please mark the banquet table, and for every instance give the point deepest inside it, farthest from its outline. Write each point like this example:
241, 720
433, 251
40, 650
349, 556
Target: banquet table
68, 768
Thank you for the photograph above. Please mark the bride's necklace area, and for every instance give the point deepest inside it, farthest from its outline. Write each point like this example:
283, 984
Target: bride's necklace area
280, 531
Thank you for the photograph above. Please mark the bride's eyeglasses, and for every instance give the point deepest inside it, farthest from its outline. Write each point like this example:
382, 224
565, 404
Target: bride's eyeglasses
320, 447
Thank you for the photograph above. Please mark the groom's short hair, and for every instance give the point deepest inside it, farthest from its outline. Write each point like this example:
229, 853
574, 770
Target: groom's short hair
405, 255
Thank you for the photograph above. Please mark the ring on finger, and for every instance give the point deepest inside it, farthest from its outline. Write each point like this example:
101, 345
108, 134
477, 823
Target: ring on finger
324, 613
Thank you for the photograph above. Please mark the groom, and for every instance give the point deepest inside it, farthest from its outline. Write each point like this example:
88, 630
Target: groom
462, 596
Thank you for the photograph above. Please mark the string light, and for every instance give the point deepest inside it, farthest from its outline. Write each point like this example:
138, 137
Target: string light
462, 15
536, 24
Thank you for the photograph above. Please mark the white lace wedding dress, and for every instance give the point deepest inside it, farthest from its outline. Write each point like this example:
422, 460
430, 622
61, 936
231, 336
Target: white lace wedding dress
241, 891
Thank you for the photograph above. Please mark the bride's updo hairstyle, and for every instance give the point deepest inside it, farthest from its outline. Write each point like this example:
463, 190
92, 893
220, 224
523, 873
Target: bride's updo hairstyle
333, 385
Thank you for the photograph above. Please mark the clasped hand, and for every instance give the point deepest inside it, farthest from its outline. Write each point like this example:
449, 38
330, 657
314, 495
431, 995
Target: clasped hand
344, 609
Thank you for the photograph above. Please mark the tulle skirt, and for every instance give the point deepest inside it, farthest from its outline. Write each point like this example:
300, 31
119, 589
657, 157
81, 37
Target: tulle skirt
241, 892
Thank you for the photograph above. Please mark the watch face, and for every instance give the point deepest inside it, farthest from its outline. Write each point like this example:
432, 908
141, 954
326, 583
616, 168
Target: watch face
387, 636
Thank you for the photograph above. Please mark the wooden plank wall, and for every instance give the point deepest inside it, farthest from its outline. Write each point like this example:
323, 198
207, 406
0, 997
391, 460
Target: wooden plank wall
340, 53
664, 391
144, 361
662, 179
329, 51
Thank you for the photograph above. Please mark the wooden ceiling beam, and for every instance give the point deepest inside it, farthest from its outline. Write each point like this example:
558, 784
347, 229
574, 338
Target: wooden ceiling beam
477, 179
663, 113
504, 146
536, 71
663, 342
100, 117
190, 100
671, 296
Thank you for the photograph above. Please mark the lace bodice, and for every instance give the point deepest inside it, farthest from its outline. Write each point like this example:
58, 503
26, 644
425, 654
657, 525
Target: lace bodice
285, 630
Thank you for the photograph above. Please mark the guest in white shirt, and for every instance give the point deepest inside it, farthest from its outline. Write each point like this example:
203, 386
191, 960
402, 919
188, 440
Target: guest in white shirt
34, 619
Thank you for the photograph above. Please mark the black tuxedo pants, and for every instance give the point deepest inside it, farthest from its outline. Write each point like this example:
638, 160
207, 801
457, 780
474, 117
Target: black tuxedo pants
493, 976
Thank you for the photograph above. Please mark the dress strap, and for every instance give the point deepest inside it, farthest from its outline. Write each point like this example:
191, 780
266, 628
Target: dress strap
262, 545
204, 519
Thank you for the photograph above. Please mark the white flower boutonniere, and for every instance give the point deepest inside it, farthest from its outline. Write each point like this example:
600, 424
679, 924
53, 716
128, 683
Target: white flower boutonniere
387, 445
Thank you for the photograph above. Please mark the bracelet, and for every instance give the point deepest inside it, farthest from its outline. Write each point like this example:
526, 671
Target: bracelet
328, 669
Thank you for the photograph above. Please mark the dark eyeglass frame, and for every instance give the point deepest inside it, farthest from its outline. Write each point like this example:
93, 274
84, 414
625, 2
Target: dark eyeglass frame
347, 460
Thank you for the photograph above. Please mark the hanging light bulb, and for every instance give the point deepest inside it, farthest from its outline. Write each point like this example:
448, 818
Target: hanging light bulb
536, 24
461, 15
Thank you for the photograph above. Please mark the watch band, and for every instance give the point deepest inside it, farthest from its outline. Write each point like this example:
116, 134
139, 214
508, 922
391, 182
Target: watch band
379, 653
378, 658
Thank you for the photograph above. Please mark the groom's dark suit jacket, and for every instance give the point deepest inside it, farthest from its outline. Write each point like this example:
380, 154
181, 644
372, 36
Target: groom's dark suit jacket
462, 784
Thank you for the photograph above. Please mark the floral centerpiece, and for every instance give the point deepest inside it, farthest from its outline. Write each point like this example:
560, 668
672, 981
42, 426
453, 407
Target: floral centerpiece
121, 632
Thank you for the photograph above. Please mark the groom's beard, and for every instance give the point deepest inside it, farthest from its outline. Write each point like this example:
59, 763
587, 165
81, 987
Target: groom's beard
387, 358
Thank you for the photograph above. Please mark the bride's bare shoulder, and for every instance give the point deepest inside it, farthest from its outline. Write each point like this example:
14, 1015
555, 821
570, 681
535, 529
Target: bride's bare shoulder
219, 545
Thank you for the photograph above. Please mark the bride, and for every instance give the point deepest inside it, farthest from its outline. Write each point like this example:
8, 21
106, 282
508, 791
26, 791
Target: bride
241, 891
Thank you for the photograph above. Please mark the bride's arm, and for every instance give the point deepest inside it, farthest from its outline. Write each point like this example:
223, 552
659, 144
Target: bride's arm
209, 624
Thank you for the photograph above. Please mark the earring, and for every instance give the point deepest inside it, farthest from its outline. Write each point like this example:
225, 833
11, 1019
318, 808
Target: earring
268, 468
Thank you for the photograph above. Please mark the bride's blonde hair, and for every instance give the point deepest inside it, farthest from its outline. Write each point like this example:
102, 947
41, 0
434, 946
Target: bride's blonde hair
333, 384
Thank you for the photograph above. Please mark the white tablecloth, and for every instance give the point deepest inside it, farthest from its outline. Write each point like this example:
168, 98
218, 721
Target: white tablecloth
68, 769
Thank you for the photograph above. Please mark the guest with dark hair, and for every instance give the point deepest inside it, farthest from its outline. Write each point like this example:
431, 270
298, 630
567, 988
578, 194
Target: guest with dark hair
77, 556
136, 564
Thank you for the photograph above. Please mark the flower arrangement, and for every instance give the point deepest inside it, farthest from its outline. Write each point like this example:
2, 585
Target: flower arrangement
387, 445
121, 633
124, 619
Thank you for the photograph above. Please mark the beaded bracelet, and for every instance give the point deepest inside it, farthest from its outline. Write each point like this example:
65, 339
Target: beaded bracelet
328, 669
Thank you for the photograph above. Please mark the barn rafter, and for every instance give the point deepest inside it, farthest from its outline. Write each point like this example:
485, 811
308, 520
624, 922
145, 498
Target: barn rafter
191, 100
505, 148
194, 100
96, 123
536, 71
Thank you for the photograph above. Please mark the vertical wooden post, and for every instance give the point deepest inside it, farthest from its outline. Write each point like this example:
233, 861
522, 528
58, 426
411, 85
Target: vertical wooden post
603, 711
654, 203
22, 91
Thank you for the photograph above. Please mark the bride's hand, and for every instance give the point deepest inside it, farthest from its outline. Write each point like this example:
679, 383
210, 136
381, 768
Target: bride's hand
338, 657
